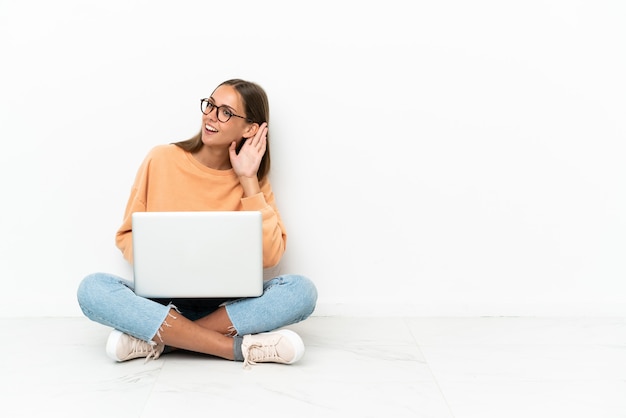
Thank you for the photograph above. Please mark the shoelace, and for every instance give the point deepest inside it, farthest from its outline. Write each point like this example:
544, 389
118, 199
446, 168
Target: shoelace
153, 354
142, 347
258, 352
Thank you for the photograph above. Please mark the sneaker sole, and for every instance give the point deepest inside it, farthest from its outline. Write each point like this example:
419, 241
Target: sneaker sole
111, 347
296, 341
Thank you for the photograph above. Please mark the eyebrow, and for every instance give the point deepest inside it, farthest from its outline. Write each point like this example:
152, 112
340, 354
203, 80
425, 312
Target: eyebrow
228, 106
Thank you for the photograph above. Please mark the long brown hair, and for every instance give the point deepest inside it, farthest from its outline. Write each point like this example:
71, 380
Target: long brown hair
256, 108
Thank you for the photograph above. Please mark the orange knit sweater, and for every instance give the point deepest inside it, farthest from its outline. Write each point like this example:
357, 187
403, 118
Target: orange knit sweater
171, 179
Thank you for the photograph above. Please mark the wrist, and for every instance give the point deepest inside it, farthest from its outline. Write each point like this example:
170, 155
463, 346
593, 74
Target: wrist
250, 185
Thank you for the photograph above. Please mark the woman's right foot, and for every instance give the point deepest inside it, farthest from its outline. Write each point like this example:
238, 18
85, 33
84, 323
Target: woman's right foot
122, 347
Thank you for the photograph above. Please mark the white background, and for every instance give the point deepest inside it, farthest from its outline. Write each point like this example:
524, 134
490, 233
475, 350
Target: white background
429, 158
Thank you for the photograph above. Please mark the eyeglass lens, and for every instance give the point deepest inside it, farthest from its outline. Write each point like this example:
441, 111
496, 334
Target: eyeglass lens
223, 114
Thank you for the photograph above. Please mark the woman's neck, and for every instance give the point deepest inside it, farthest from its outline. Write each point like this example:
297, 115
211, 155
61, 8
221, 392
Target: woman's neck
217, 159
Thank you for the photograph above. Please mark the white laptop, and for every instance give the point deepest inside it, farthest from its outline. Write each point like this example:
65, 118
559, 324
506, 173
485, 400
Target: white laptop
209, 254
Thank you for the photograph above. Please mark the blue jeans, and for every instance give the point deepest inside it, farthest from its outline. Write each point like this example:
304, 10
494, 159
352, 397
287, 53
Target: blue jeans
111, 301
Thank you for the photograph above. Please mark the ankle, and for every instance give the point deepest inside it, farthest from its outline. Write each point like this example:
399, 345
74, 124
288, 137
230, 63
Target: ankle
237, 351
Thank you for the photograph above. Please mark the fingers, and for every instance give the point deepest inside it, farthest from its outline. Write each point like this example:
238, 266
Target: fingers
259, 138
232, 153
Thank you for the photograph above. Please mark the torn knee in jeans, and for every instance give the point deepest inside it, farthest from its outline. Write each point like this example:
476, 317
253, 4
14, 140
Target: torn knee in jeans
165, 324
232, 332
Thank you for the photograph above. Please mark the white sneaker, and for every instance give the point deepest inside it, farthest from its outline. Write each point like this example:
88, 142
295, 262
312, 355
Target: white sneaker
284, 346
122, 347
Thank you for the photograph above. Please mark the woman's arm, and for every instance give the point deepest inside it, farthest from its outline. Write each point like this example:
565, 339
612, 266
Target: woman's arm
274, 234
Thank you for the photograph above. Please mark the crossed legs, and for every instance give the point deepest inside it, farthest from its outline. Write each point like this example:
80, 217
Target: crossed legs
208, 335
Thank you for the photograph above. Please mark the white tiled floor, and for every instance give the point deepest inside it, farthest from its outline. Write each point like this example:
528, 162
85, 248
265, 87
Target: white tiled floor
353, 367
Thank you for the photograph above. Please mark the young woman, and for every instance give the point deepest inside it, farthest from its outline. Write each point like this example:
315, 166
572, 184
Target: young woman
224, 167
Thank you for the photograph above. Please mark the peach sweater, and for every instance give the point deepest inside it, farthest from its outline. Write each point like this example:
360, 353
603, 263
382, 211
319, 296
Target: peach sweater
171, 179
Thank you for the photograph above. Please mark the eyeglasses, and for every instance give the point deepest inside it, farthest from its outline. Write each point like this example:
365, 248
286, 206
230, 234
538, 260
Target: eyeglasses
223, 113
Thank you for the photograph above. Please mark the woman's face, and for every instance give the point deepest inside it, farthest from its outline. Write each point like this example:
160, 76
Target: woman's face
218, 133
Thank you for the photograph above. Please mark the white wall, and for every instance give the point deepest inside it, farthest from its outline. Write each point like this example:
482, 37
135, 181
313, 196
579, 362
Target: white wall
429, 158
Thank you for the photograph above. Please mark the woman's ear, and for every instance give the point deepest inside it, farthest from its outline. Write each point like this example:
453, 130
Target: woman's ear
251, 130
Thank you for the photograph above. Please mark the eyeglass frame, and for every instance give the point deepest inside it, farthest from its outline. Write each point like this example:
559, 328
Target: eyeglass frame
217, 110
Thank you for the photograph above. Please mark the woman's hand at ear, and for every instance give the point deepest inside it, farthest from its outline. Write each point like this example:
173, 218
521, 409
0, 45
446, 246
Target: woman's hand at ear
246, 163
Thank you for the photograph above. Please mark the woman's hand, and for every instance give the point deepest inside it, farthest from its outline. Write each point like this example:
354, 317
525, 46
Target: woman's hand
247, 162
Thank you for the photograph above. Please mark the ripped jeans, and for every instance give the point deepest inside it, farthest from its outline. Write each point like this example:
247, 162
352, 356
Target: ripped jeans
111, 301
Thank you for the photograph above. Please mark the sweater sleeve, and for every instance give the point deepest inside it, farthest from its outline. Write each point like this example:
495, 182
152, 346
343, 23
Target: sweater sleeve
274, 235
136, 203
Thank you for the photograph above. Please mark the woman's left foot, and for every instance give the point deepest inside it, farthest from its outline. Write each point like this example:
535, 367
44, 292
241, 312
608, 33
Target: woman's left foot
283, 346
